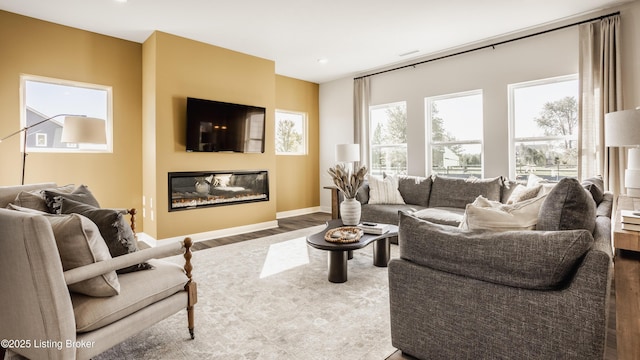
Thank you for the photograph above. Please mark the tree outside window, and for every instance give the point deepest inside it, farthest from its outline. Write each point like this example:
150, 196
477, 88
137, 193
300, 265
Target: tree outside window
454, 126
388, 139
291, 133
544, 128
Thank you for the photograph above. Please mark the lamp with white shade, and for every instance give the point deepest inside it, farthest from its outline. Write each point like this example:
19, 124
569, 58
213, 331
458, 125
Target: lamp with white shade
76, 129
622, 129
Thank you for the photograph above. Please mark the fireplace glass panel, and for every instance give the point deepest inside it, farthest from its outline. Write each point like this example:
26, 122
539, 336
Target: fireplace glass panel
190, 190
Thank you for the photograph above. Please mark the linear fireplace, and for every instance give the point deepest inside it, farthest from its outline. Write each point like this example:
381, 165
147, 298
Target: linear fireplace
190, 190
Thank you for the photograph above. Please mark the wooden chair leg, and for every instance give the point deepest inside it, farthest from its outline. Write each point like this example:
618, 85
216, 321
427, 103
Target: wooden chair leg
190, 287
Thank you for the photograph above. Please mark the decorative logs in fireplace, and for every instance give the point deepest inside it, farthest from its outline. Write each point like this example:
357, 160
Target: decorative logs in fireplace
190, 190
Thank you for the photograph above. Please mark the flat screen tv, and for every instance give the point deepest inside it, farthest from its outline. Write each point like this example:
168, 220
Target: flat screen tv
214, 126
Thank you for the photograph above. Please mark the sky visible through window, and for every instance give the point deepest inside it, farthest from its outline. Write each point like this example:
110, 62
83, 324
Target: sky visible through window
52, 99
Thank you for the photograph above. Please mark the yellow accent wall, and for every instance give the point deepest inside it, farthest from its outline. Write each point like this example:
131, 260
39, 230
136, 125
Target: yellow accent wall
298, 180
36, 47
184, 68
151, 82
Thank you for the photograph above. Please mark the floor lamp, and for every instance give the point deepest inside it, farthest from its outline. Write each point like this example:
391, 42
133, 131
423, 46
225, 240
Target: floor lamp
76, 129
622, 129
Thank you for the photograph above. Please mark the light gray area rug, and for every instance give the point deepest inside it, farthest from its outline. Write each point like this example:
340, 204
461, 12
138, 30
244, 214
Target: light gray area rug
269, 298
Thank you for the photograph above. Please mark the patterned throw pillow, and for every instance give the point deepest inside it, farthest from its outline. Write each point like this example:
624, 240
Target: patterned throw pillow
113, 227
384, 191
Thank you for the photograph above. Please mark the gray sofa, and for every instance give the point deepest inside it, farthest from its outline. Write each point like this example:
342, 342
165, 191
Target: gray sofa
439, 199
529, 294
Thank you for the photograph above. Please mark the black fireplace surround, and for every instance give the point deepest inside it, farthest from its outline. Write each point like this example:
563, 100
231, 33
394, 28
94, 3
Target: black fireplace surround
191, 190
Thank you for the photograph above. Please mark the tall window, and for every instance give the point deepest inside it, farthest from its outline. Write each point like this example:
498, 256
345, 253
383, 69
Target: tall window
291, 133
454, 130
388, 138
543, 118
43, 98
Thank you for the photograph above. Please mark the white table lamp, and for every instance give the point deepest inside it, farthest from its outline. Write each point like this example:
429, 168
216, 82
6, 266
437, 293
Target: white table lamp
622, 129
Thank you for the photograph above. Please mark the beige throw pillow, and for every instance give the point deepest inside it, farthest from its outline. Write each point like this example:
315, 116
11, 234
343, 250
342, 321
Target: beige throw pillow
485, 214
80, 243
384, 191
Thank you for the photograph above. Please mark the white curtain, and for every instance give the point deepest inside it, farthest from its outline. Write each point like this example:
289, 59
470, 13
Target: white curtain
600, 83
361, 100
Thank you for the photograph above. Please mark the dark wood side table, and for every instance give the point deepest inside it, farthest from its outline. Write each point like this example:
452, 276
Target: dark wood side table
627, 282
339, 252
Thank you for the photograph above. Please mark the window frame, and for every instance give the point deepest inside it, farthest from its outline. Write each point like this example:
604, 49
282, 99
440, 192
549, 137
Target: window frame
430, 143
371, 130
511, 88
70, 148
305, 132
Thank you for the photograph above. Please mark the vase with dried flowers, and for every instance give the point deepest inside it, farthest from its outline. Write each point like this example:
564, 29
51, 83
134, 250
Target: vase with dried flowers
348, 183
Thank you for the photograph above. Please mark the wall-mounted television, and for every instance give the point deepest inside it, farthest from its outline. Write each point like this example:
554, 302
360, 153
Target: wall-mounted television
214, 126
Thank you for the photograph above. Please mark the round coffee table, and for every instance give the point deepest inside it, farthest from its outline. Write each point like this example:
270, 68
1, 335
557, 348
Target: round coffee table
339, 253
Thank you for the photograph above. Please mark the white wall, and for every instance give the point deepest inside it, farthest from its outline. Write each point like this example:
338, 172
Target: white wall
491, 70
336, 127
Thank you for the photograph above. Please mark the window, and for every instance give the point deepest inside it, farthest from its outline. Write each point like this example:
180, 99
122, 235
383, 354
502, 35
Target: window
454, 130
291, 133
43, 98
543, 119
388, 138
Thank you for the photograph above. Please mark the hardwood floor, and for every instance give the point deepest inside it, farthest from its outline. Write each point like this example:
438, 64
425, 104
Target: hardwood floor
304, 221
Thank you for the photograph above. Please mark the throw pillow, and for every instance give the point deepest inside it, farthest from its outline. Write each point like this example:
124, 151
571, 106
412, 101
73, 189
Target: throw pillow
113, 227
567, 207
384, 191
34, 199
522, 193
80, 194
595, 186
79, 243
484, 214
455, 192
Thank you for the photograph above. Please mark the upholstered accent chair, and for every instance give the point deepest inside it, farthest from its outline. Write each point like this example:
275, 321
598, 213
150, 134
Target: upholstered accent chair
44, 315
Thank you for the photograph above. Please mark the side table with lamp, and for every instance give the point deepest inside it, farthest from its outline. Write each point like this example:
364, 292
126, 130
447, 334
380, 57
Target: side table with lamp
622, 129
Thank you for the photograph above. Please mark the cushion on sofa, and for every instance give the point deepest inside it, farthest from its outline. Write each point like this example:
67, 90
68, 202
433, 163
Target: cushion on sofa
34, 199
415, 189
522, 193
485, 214
595, 186
384, 191
80, 243
385, 213
138, 290
80, 194
113, 227
454, 192
567, 207
9, 193
525, 259
441, 215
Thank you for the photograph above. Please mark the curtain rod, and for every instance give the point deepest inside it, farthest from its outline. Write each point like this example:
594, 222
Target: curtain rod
490, 45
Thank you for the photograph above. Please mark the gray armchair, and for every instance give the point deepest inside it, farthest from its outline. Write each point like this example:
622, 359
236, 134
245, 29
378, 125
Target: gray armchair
44, 320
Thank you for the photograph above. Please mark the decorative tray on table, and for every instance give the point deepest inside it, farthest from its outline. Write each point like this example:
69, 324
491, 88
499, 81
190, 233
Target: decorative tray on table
344, 234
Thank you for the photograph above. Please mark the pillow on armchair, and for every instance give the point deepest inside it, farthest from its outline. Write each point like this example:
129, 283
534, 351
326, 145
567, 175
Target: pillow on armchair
113, 227
81, 194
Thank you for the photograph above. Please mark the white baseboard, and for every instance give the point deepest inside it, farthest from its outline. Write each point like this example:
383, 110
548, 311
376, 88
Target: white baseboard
208, 235
298, 212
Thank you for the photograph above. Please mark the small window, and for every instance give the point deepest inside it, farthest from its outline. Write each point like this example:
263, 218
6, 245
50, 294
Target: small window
388, 138
291, 133
454, 131
543, 119
44, 98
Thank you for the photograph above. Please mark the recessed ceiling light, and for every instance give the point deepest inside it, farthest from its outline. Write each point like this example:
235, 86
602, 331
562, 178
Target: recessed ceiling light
323, 61
121, 1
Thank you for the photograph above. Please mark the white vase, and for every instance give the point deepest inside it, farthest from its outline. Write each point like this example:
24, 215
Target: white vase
350, 212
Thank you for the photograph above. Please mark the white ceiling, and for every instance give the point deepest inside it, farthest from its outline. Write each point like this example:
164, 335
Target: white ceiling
353, 35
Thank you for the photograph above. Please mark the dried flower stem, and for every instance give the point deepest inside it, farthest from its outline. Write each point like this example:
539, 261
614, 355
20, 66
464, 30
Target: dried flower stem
347, 183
